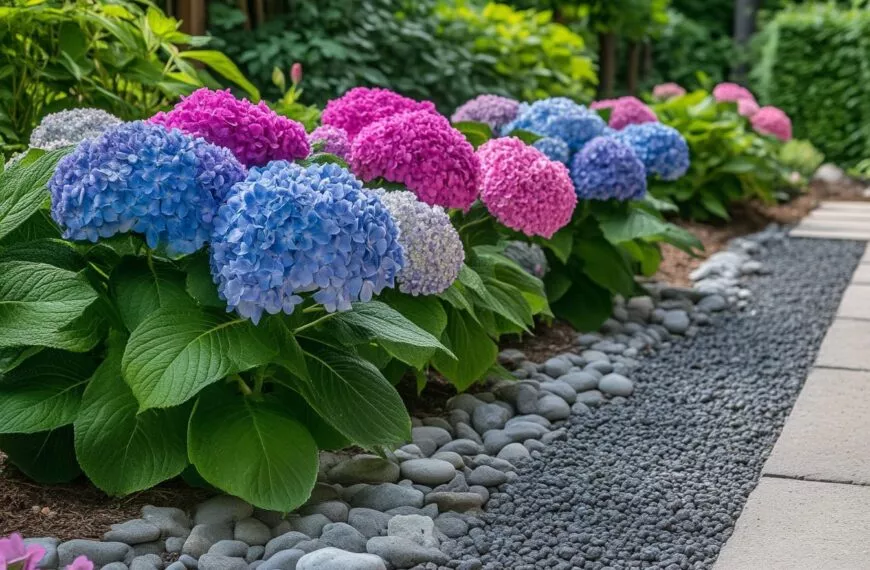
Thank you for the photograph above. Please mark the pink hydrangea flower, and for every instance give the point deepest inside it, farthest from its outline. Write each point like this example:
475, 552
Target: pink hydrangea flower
362, 106
334, 140
422, 151
523, 189
772, 121
747, 107
667, 91
254, 133
626, 111
81, 563
14, 553
731, 92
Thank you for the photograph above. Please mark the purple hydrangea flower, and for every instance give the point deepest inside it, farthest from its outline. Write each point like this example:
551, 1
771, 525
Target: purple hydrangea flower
608, 169
140, 177
494, 110
14, 553
529, 256
554, 149
561, 118
433, 250
288, 229
662, 149
333, 140
66, 128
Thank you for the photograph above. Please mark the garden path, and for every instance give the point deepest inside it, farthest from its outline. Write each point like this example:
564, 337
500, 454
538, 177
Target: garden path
811, 508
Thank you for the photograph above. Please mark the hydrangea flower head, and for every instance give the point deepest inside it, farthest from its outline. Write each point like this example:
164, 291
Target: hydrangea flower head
140, 177
732, 92
14, 551
432, 248
288, 229
66, 128
333, 139
554, 149
362, 106
608, 169
665, 91
662, 149
494, 110
523, 189
254, 133
747, 107
626, 111
81, 563
772, 121
529, 256
422, 151
561, 118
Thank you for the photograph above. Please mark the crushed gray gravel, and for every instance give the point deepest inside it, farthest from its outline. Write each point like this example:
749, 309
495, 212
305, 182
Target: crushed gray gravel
659, 480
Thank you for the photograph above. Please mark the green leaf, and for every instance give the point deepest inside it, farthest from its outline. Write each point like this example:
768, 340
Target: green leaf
560, 244
200, 285
474, 350
173, 354
54, 252
44, 393
527, 137
223, 66
636, 224
121, 450
24, 189
141, 286
712, 204
252, 449
12, 357
586, 305
604, 264
47, 457
488, 297
326, 436
37, 300
476, 133
426, 312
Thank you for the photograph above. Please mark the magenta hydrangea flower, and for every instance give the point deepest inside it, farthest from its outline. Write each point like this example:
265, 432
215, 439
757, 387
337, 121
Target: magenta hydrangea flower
422, 151
494, 110
747, 107
333, 140
15, 554
626, 111
362, 106
254, 133
667, 91
732, 92
81, 563
772, 121
523, 189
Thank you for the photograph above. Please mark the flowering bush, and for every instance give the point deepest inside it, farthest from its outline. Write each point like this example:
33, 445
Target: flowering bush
66, 128
747, 107
772, 121
626, 111
732, 92
362, 106
524, 189
662, 149
494, 110
289, 229
667, 90
608, 169
433, 252
422, 151
333, 140
560, 118
254, 133
146, 179
554, 149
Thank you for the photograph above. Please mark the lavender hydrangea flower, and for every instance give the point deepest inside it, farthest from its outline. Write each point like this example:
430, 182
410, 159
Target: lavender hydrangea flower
661, 148
143, 178
66, 128
494, 110
288, 229
529, 256
561, 118
554, 149
433, 250
608, 169
332, 140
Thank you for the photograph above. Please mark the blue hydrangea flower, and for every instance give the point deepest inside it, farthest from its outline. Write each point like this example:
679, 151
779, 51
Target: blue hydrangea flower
433, 250
561, 118
143, 178
288, 229
608, 169
554, 149
661, 148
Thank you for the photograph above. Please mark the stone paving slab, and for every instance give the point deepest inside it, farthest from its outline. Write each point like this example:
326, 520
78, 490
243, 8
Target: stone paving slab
826, 435
843, 205
855, 303
801, 525
862, 274
828, 234
846, 345
866, 257
836, 220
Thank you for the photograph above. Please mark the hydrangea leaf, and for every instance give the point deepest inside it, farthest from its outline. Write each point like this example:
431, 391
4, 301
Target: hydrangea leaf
200, 285
586, 305
47, 457
121, 450
605, 265
174, 354
510, 309
24, 189
50, 251
637, 224
474, 350
142, 286
252, 448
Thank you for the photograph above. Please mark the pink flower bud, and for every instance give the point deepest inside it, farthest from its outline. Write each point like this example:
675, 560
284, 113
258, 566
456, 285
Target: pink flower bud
296, 73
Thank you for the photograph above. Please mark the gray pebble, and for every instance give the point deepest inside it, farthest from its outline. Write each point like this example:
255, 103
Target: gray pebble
487, 476
284, 560
218, 562
553, 407
132, 532
335, 559
580, 381
616, 385
344, 536
232, 548
364, 469
310, 525
222, 509
404, 553
516, 453
285, 541
428, 471
462, 447
368, 521
100, 553
561, 389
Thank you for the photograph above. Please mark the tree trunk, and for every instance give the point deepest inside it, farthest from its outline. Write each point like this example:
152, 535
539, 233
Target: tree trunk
606, 64
633, 67
647, 60
744, 27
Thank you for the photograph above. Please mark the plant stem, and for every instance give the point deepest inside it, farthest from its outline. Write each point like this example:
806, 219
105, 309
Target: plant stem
243, 386
315, 322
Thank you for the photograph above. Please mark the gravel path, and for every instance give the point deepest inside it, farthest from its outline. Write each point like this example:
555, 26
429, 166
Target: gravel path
659, 481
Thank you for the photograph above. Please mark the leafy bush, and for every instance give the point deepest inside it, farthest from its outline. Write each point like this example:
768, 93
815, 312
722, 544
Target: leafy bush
815, 65
120, 56
801, 156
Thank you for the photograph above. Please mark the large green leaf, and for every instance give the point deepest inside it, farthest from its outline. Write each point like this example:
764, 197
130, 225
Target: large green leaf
586, 305
475, 351
47, 457
484, 296
56, 252
141, 286
121, 450
225, 67
44, 393
199, 283
476, 133
252, 448
426, 311
173, 354
636, 224
36, 300
23, 189
605, 265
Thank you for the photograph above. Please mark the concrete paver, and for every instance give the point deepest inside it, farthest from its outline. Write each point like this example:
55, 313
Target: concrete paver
846, 345
855, 303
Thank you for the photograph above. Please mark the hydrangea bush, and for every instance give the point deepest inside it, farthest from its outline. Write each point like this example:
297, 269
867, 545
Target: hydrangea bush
362, 106
608, 169
626, 111
560, 118
772, 121
494, 110
665, 91
662, 149
66, 128
332, 140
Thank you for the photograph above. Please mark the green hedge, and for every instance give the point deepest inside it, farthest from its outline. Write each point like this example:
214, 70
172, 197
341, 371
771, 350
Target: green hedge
815, 66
